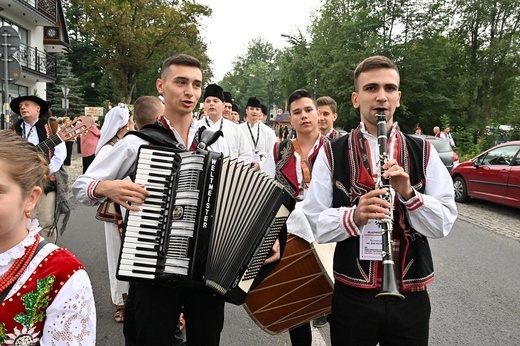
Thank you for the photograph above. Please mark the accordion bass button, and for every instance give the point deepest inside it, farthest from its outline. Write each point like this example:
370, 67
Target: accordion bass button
177, 212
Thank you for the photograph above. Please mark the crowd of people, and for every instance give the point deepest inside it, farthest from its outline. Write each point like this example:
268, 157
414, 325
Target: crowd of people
333, 178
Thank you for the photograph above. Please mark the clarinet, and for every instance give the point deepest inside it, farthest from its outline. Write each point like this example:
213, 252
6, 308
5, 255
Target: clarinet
389, 285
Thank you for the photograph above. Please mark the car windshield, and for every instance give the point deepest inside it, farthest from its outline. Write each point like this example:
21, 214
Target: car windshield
440, 145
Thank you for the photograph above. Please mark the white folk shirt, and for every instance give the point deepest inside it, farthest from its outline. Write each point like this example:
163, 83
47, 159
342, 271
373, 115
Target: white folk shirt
119, 163
239, 145
264, 137
447, 137
432, 214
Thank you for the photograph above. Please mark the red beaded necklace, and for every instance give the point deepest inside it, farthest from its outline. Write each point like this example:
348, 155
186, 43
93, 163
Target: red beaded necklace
19, 266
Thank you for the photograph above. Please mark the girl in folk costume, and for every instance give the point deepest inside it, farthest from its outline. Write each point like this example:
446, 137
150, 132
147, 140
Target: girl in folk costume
290, 163
118, 122
45, 294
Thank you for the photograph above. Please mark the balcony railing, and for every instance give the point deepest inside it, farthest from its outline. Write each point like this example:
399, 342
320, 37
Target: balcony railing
37, 61
46, 8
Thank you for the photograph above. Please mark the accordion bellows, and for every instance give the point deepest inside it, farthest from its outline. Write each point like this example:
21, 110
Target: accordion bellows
208, 220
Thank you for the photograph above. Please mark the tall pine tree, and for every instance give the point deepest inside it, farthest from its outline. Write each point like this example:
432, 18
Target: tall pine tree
65, 78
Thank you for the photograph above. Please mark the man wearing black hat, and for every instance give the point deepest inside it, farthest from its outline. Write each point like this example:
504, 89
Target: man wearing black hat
263, 118
214, 103
261, 136
228, 105
35, 127
235, 116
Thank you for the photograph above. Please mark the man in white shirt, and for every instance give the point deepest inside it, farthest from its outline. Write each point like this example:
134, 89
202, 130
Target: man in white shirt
346, 205
228, 105
214, 104
158, 306
235, 116
327, 116
446, 135
260, 136
36, 128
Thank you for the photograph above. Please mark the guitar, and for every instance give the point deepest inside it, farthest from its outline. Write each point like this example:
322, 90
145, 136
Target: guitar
76, 128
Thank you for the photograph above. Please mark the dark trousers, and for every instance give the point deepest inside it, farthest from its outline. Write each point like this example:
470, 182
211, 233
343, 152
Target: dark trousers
154, 313
69, 145
301, 336
358, 318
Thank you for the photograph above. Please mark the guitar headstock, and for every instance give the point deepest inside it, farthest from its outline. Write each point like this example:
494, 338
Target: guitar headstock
76, 128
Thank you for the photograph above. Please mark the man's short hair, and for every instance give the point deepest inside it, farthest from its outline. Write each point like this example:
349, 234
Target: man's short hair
180, 59
327, 101
147, 109
298, 94
372, 63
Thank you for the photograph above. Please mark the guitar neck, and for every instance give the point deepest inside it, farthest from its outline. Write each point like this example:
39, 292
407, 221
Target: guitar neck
50, 143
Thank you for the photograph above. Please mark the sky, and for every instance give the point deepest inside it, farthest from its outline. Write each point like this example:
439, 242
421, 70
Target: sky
234, 23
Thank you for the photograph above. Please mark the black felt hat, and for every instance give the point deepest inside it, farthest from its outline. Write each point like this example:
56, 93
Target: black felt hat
235, 108
15, 104
264, 109
215, 91
254, 102
227, 97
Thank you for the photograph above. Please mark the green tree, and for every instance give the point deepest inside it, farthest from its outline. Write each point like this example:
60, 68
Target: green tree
67, 79
487, 33
255, 74
133, 36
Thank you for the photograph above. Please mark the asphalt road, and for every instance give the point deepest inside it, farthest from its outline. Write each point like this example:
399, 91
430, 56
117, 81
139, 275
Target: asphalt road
474, 296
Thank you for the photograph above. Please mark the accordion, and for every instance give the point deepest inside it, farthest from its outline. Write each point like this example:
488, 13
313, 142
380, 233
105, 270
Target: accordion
208, 220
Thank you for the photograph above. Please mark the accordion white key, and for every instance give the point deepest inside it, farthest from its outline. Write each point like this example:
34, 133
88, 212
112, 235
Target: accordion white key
208, 220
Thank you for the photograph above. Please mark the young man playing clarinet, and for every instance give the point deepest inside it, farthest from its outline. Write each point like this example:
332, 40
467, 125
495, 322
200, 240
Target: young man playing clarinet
158, 306
343, 206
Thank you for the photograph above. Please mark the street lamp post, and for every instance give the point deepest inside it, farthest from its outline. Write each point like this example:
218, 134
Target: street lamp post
294, 40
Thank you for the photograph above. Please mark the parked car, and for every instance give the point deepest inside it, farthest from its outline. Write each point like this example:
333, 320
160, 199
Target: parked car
493, 175
443, 147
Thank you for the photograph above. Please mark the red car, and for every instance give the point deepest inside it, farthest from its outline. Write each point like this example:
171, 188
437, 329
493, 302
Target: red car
493, 175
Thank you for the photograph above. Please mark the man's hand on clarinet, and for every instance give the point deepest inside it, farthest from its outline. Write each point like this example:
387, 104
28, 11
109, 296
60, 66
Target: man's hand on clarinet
399, 179
371, 206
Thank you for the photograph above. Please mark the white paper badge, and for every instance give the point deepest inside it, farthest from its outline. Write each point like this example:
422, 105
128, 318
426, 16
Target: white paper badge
371, 242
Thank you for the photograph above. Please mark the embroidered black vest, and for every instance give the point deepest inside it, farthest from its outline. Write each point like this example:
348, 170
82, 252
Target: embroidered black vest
42, 129
412, 257
283, 153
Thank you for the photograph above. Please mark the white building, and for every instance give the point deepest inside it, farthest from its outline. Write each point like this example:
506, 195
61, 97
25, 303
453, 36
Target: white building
42, 30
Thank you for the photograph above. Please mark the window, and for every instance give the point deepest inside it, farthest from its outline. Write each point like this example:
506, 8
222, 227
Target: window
502, 156
24, 34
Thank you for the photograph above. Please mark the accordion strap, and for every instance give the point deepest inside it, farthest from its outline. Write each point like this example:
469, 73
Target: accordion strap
157, 135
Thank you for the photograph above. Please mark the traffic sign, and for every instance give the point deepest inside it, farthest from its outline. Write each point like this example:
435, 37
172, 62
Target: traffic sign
9, 38
65, 91
14, 70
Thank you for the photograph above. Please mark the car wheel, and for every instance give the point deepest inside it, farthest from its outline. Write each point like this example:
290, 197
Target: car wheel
461, 192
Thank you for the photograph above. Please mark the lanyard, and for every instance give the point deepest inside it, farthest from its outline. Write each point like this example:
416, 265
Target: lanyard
306, 169
221, 123
29, 132
257, 135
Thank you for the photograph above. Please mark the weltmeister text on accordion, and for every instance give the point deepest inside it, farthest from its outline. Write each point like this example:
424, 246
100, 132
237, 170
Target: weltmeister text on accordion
208, 220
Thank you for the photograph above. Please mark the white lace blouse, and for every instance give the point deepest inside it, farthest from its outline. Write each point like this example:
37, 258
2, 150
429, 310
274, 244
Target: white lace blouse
71, 317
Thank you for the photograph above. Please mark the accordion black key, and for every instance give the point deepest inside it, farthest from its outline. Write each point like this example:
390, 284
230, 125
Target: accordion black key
208, 220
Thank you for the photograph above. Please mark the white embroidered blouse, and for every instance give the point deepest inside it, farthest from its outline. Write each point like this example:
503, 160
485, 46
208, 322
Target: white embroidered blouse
71, 317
